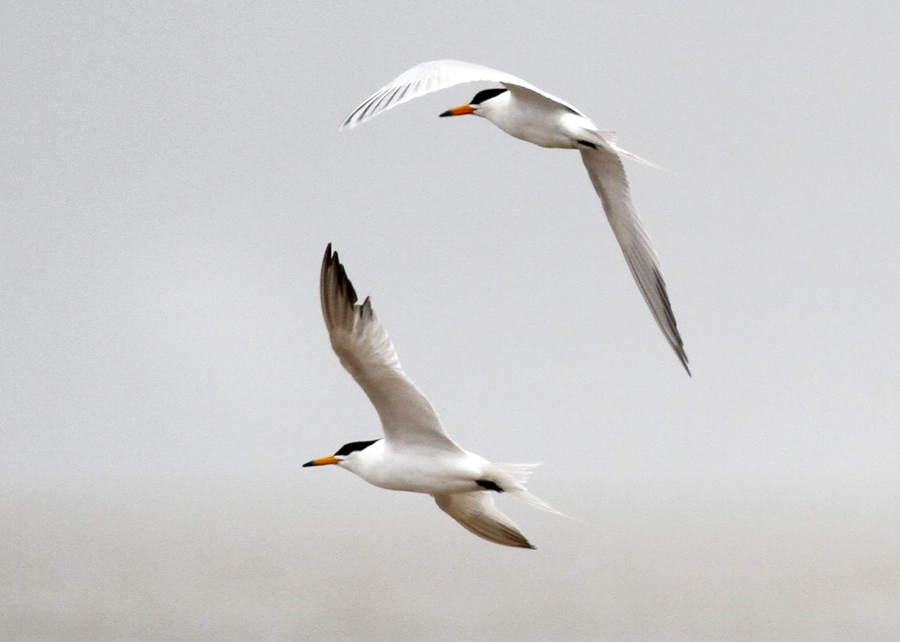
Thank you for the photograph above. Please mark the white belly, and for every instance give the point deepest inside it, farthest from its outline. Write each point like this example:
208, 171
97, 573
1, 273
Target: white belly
432, 472
535, 123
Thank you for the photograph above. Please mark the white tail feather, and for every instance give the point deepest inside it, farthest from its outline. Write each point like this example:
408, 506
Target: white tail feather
634, 157
512, 477
610, 139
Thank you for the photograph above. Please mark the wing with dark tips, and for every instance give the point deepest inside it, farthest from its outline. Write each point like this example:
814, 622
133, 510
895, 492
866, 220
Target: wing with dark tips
433, 76
476, 512
607, 174
366, 351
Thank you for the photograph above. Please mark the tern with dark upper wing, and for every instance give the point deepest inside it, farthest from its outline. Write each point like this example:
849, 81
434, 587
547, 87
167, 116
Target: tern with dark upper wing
524, 111
415, 454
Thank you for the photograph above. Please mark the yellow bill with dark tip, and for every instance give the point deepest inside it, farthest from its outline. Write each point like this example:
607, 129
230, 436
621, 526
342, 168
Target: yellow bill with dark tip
462, 110
322, 461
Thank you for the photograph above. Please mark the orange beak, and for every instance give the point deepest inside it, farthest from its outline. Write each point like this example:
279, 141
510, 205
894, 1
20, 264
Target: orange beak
462, 110
322, 461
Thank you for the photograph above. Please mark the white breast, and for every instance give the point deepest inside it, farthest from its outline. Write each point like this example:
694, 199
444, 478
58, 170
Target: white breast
420, 470
541, 122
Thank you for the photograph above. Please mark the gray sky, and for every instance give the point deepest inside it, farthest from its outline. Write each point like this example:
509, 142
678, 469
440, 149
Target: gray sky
171, 175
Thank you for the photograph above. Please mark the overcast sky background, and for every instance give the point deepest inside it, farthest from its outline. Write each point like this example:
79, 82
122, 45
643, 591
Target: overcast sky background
170, 176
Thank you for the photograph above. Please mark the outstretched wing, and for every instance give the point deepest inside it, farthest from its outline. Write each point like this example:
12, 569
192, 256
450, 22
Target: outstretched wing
365, 350
476, 512
607, 174
432, 76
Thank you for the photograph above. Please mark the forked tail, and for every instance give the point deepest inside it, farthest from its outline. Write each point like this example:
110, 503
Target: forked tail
512, 478
610, 139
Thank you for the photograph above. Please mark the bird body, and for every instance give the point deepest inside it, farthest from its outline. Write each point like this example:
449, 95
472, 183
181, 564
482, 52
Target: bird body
418, 469
542, 122
525, 112
416, 454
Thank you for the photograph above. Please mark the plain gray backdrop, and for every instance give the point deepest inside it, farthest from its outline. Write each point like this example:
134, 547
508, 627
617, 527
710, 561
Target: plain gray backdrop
170, 176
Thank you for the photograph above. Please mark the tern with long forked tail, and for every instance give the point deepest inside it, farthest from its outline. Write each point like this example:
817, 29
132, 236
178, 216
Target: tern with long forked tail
415, 454
524, 111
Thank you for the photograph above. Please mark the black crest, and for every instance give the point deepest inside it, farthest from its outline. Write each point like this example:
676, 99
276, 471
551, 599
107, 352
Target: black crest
486, 94
346, 449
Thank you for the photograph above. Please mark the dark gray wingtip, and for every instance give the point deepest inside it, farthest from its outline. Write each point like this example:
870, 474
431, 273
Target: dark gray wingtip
332, 261
343, 281
365, 310
524, 543
676, 342
351, 291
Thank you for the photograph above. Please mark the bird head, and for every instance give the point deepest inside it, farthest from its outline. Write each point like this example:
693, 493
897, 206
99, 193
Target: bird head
480, 105
345, 457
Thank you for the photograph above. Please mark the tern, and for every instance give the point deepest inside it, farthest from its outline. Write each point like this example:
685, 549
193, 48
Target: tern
525, 112
415, 454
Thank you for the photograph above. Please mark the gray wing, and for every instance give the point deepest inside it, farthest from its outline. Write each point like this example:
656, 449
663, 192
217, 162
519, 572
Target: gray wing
366, 351
432, 76
607, 174
476, 512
